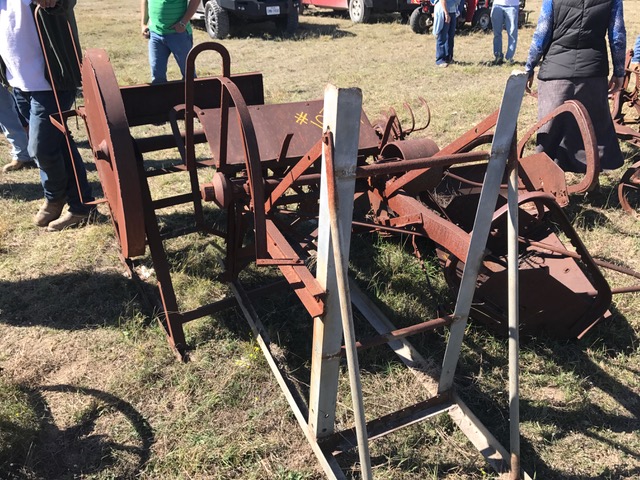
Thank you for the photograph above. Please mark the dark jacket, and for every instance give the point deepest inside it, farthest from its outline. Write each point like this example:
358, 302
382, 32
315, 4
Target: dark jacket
59, 33
578, 47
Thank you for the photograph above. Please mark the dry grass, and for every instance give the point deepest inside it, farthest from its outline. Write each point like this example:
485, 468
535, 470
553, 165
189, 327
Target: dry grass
89, 388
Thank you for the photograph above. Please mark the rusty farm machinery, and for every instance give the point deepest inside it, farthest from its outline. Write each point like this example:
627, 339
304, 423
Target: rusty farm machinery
293, 181
625, 111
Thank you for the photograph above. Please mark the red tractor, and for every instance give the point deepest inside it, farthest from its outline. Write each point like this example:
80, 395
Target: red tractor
476, 12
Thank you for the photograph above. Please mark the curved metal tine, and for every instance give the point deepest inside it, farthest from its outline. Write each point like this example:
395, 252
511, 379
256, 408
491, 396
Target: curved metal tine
252, 161
413, 118
411, 129
189, 88
426, 107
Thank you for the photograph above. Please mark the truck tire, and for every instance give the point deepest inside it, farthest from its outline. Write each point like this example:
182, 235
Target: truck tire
420, 22
482, 19
288, 24
358, 11
216, 20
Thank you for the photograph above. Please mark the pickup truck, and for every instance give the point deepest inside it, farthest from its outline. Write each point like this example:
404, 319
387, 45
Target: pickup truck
220, 15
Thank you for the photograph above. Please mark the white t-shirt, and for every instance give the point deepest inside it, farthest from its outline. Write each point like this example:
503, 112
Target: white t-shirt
20, 47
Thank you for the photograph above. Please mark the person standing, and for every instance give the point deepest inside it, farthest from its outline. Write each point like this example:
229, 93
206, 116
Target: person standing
166, 24
444, 29
570, 38
22, 66
504, 14
14, 131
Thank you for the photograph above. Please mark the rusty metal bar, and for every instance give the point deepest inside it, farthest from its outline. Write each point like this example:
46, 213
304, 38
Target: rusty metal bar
341, 262
400, 333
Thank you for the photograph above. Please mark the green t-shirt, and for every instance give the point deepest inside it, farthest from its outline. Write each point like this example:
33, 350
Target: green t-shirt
164, 13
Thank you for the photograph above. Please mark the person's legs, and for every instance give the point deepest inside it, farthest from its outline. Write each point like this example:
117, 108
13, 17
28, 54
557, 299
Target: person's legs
497, 22
511, 24
450, 38
158, 57
593, 94
48, 146
441, 46
180, 44
13, 130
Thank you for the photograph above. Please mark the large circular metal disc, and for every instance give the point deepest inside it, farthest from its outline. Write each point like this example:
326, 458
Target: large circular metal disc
113, 150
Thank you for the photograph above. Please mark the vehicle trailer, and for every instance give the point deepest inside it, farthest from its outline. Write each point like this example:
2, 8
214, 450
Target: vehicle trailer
220, 15
360, 10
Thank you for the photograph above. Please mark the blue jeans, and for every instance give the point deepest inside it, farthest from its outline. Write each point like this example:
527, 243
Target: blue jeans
48, 147
636, 51
506, 17
161, 46
444, 42
12, 127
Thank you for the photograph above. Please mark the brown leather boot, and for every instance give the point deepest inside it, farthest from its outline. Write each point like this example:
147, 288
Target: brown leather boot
49, 211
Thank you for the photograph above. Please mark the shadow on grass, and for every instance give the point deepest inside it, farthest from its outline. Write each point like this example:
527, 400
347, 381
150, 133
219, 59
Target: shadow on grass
23, 191
589, 419
86, 447
269, 32
71, 301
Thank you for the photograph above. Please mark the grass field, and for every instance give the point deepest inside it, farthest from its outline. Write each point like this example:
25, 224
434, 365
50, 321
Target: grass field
90, 389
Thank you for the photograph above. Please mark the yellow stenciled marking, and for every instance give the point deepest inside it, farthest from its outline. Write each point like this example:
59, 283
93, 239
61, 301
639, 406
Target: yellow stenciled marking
302, 118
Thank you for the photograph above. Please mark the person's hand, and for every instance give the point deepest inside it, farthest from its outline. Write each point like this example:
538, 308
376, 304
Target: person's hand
615, 84
145, 32
179, 27
529, 84
447, 17
46, 3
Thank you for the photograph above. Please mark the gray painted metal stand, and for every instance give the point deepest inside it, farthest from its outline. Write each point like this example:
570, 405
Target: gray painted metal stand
342, 116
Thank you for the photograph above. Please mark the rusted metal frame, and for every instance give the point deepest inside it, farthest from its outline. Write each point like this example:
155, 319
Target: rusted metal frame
345, 440
173, 319
189, 88
388, 127
458, 145
299, 408
589, 140
623, 96
230, 302
172, 201
148, 104
298, 276
541, 247
293, 175
157, 172
376, 227
405, 332
602, 299
165, 141
254, 169
442, 231
399, 166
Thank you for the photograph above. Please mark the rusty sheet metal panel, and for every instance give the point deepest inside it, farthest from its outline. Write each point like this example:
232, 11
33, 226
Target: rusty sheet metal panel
272, 124
559, 297
151, 103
